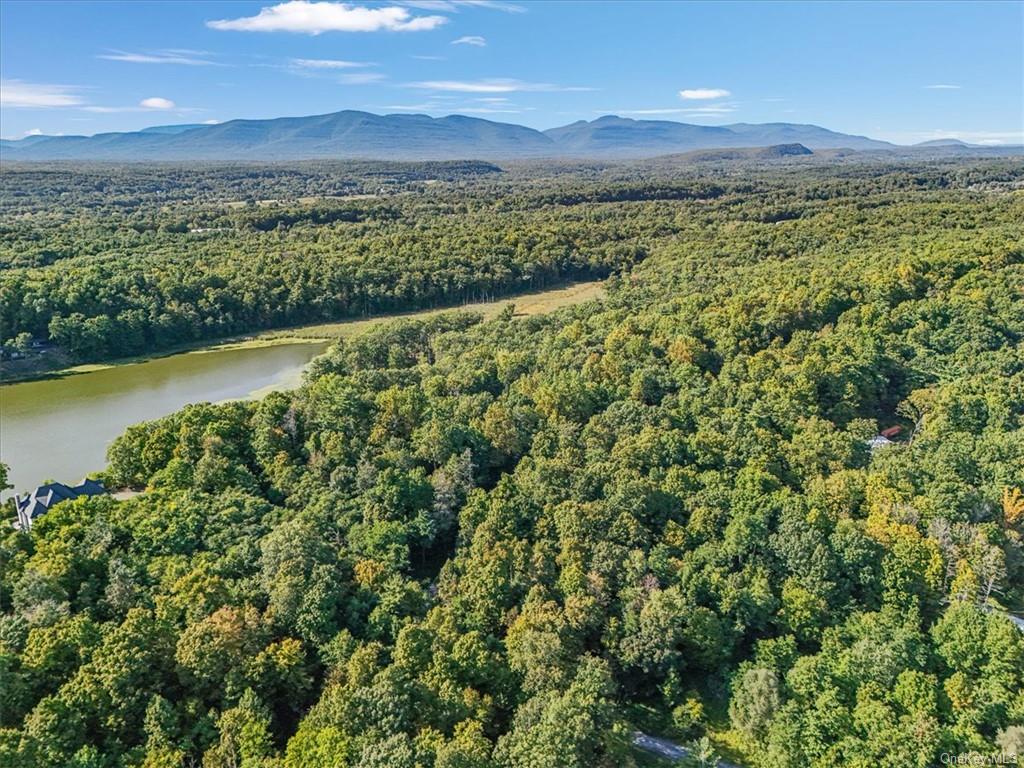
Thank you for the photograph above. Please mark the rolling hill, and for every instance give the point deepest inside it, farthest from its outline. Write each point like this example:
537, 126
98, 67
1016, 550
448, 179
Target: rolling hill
943, 143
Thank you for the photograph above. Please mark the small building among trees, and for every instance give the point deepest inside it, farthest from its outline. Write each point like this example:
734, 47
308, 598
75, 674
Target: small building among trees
38, 502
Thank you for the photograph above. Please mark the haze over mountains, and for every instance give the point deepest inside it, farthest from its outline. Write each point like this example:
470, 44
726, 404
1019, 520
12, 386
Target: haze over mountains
354, 134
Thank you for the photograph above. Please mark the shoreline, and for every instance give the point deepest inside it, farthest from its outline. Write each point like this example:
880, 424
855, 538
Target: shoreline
526, 304
199, 348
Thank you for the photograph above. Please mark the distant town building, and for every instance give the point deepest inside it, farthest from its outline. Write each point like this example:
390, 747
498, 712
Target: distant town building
42, 499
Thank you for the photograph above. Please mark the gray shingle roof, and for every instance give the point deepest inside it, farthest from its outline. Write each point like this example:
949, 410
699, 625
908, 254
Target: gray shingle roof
32, 505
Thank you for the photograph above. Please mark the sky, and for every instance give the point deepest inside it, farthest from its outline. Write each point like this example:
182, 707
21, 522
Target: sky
900, 71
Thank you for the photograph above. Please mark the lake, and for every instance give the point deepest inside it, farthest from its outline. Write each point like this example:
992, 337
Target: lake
60, 428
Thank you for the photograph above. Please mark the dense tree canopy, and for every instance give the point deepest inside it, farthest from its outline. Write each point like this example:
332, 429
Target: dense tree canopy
466, 544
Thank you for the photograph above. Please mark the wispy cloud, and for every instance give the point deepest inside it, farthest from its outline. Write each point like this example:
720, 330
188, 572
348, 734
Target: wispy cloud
493, 85
652, 111
34, 132
943, 87
704, 116
712, 109
409, 107
151, 104
444, 6
361, 78
450, 109
314, 18
476, 40
493, 5
451, 6
704, 93
329, 64
706, 111
18, 93
424, 57
166, 56
510, 110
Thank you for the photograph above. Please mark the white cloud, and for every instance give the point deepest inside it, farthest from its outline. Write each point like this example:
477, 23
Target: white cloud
168, 56
361, 78
328, 64
476, 40
34, 132
313, 18
943, 87
156, 102
18, 93
211, 122
491, 85
704, 93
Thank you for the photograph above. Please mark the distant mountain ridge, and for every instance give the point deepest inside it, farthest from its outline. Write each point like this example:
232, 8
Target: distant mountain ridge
172, 129
351, 134
346, 134
617, 136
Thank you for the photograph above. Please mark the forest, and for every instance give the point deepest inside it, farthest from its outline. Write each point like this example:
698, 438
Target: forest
514, 543
148, 270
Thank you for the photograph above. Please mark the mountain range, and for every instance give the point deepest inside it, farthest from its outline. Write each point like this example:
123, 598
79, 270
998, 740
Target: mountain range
353, 134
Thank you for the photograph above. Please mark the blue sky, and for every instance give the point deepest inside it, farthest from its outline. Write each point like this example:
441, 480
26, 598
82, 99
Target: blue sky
904, 72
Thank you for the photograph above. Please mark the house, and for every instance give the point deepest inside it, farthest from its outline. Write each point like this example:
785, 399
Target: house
32, 505
884, 438
878, 441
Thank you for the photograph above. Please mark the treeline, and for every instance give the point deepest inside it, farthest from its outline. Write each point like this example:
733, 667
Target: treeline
110, 187
511, 544
254, 269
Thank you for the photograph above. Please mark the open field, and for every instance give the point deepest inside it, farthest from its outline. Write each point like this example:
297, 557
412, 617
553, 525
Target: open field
525, 305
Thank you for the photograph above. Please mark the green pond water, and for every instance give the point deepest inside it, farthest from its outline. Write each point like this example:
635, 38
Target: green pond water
60, 428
